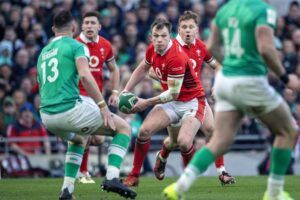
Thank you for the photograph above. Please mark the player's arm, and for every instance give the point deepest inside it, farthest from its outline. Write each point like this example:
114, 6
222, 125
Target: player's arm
266, 48
92, 89
138, 75
115, 81
174, 87
88, 80
214, 64
265, 44
114, 74
214, 44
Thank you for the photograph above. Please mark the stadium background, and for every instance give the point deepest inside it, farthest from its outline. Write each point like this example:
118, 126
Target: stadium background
25, 28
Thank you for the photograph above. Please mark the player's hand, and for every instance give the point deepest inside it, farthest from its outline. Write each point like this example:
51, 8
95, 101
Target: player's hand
113, 99
108, 118
140, 105
294, 83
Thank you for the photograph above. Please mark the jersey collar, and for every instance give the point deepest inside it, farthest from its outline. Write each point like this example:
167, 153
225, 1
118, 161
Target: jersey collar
57, 38
182, 43
168, 47
86, 40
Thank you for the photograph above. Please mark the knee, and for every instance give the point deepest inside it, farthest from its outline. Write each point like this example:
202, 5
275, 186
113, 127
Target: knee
97, 140
184, 143
145, 132
124, 128
290, 132
208, 131
170, 144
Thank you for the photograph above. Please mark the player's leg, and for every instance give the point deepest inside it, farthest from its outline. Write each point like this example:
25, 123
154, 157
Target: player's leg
73, 125
169, 144
189, 128
83, 174
207, 128
226, 125
72, 164
156, 120
116, 153
281, 123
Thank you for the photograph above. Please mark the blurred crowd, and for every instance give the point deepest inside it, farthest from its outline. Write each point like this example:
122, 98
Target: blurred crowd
25, 28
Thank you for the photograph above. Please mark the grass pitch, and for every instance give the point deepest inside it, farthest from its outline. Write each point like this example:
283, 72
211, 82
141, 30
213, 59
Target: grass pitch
206, 188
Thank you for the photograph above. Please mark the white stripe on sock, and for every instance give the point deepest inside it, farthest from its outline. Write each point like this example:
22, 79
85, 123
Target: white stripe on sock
117, 150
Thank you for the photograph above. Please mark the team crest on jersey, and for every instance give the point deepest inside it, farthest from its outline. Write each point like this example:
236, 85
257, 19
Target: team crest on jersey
198, 52
102, 51
94, 61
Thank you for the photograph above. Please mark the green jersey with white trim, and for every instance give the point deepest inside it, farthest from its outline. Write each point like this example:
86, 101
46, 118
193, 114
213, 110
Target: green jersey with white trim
237, 21
57, 74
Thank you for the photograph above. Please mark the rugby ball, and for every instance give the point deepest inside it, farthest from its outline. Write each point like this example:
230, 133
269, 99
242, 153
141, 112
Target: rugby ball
126, 101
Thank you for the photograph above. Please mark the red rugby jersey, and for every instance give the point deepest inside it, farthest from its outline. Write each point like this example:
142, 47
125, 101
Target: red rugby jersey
100, 52
175, 63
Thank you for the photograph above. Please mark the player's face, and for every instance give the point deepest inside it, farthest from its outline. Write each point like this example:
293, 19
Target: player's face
160, 39
188, 30
91, 27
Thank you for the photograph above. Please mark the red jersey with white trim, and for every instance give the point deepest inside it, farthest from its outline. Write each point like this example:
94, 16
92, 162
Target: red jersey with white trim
197, 52
100, 52
175, 63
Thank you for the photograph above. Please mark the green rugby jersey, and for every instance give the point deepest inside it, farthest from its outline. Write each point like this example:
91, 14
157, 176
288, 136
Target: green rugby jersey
237, 21
57, 74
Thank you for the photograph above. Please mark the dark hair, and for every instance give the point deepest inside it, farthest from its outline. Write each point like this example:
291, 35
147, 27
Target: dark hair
62, 19
187, 15
294, 3
92, 14
160, 23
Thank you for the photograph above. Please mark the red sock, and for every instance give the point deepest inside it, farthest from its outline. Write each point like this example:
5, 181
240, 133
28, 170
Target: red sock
140, 151
164, 152
219, 162
85, 158
187, 156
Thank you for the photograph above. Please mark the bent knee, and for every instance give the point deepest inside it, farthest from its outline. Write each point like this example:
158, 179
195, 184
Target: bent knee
124, 128
184, 143
145, 132
97, 140
208, 131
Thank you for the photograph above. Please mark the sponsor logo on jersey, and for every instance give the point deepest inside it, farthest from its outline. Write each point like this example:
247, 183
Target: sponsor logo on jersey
94, 61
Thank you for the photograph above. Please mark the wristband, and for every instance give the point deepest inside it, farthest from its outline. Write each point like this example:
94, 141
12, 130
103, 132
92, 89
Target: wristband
284, 78
101, 104
115, 91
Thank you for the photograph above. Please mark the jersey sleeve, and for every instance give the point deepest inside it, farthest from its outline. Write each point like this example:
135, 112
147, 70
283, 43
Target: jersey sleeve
148, 56
207, 56
176, 67
82, 51
110, 54
267, 16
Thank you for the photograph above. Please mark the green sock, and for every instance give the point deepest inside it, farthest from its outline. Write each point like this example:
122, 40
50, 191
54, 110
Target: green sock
72, 164
116, 153
280, 160
117, 150
202, 159
73, 160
